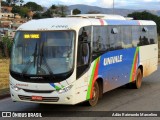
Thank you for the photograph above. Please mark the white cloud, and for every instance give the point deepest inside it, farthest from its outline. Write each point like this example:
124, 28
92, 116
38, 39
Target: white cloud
147, 0
105, 3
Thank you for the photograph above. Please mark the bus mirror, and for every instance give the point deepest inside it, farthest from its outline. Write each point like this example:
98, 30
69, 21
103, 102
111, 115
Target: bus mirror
145, 29
85, 49
114, 31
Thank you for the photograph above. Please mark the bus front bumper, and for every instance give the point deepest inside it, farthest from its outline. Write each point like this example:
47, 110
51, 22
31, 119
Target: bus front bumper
54, 97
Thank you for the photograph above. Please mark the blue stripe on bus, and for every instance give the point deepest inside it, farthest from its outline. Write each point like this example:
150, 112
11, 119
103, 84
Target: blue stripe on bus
122, 22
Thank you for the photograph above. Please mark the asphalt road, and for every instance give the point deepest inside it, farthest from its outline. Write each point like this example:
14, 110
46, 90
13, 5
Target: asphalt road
147, 98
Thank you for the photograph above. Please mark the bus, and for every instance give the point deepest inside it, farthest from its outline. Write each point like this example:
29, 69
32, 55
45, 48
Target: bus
78, 58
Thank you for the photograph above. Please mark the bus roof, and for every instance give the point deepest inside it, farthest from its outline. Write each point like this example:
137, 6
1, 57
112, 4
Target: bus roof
100, 16
71, 23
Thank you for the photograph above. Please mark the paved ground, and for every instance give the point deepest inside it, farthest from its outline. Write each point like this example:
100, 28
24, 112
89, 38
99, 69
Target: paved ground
147, 98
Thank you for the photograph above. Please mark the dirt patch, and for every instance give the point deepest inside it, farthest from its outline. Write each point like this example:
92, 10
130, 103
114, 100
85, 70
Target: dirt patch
4, 73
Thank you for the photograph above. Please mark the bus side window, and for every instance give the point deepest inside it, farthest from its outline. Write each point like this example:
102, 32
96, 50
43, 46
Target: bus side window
143, 39
100, 41
126, 36
115, 42
135, 35
152, 34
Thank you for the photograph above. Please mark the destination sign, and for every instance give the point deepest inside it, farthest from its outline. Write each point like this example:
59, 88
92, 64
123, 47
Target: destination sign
31, 36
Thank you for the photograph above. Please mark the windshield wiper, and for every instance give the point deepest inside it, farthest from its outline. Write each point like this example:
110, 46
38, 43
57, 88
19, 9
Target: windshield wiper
35, 55
28, 64
41, 54
42, 57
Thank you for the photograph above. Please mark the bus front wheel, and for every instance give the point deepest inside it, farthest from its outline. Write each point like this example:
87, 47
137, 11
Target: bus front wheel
95, 95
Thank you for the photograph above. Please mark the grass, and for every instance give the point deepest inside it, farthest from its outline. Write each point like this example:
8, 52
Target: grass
4, 73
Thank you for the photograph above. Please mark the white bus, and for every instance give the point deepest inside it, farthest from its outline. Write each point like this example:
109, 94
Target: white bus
78, 58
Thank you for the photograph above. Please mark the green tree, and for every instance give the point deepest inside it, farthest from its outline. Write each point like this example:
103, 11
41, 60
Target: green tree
33, 6
76, 11
22, 11
62, 10
47, 14
146, 16
9, 2
21, 1
7, 45
53, 7
3, 3
16, 9
37, 16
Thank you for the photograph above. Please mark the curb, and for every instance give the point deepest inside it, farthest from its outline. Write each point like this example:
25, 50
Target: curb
4, 93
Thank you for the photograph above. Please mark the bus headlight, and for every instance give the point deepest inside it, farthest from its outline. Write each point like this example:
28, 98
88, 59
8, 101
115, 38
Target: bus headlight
65, 89
15, 88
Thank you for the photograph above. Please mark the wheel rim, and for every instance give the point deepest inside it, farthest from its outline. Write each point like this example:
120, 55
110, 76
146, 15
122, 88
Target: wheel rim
95, 95
139, 79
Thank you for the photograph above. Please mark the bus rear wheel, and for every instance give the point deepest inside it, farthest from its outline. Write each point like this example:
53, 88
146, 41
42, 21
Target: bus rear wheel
95, 95
138, 82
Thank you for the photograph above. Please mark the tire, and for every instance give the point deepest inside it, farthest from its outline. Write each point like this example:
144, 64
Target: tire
95, 92
138, 82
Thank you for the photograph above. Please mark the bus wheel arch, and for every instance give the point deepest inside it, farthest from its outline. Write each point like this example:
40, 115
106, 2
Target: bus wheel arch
100, 83
97, 92
141, 68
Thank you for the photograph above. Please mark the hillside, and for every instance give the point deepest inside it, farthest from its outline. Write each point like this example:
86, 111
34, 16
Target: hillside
123, 12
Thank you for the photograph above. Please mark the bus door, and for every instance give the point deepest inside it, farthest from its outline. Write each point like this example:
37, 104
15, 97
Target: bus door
84, 52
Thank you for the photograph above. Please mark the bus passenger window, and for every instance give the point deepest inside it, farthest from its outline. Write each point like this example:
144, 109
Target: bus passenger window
115, 42
100, 41
135, 35
152, 34
143, 39
126, 36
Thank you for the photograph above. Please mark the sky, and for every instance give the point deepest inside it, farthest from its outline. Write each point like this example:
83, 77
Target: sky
126, 4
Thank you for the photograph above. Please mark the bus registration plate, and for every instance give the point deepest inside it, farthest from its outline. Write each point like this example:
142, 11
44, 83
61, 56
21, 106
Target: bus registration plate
37, 98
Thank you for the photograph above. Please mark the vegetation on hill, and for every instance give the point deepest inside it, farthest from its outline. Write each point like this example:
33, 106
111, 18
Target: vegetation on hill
76, 11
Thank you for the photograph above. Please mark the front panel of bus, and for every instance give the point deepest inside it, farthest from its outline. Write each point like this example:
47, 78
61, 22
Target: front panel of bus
41, 63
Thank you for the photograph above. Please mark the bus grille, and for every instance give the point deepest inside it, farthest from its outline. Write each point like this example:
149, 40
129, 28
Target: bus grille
44, 99
37, 91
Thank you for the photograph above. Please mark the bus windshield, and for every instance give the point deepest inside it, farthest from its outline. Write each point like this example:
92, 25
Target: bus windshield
43, 53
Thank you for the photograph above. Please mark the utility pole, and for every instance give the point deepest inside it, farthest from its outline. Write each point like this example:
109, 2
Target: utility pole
113, 7
0, 6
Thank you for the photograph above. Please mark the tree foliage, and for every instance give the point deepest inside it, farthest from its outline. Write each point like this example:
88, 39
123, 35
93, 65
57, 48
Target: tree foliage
76, 11
3, 3
53, 11
146, 16
37, 15
47, 14
33, 6
6, 46
62, 9
22, 11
